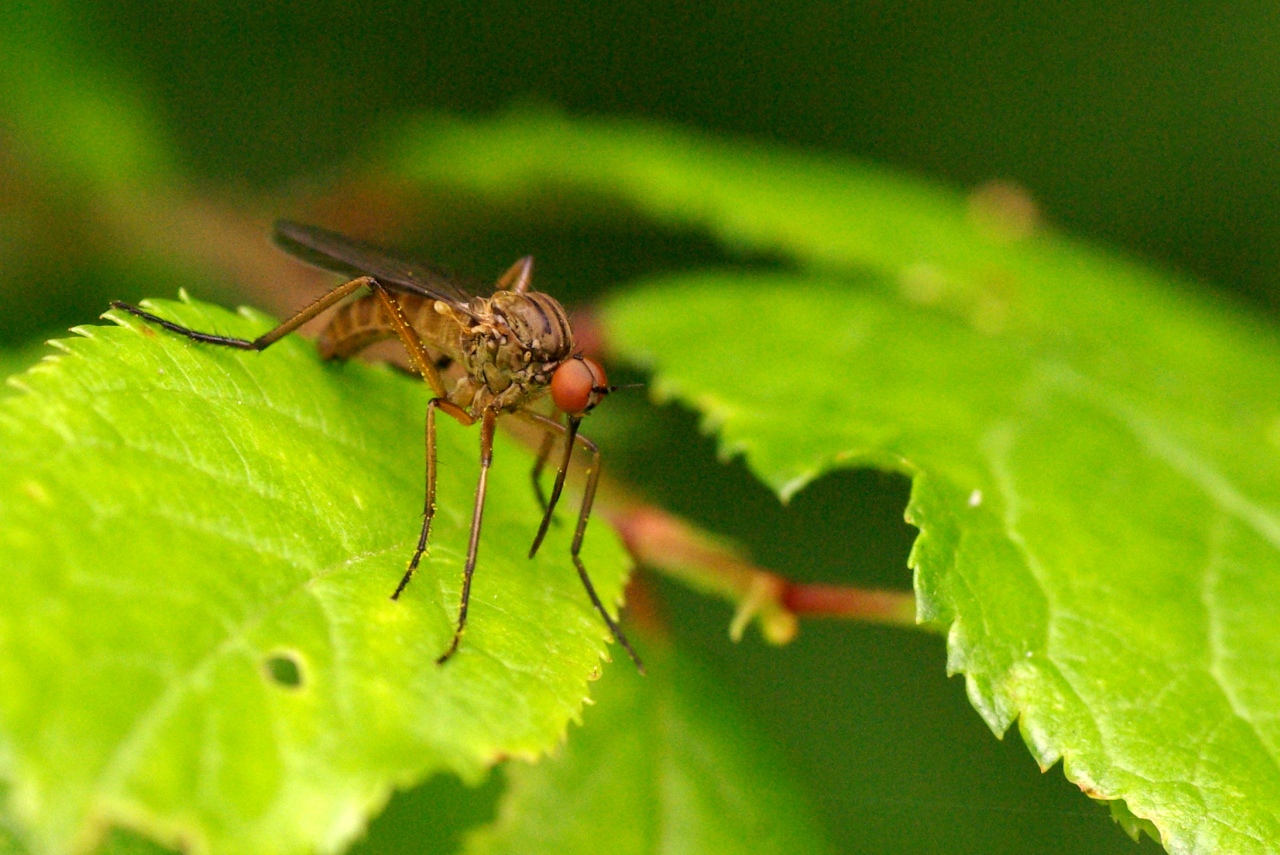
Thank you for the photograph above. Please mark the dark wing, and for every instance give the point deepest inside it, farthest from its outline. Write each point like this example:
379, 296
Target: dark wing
350, 257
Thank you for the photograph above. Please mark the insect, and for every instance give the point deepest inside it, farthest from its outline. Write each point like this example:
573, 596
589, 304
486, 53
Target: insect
514, 347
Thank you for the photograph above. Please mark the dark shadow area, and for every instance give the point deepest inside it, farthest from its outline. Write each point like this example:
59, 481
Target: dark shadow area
905, 763
431, 818
1151, 131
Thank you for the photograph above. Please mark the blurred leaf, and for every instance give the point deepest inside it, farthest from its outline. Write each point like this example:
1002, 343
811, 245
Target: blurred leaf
661, 765
15, 360
1094, 449
196, 639
72, 112
116, 841
121, 842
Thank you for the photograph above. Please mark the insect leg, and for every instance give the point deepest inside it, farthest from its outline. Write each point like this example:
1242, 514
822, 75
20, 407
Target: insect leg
419, 356
425, 365
570, 433
265, 340
544, 451
487, 423
429, 504
584, 514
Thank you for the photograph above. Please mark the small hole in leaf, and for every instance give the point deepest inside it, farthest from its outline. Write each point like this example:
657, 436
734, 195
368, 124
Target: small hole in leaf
285, 669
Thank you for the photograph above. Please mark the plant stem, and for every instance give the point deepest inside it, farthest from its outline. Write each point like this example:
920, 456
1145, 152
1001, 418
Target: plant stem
673, 546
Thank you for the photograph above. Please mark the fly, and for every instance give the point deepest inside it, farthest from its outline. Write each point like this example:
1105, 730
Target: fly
514, 346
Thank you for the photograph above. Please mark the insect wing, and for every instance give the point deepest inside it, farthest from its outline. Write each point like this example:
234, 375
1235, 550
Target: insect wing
341, 254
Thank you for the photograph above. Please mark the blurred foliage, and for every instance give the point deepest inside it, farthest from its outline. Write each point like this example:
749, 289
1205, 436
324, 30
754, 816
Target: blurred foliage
1154, 129
661, 765
1151, 127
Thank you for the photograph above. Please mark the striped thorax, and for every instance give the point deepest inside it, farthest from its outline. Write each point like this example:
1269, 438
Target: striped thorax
510, 348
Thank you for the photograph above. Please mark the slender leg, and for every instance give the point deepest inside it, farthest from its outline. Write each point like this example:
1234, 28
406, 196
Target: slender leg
429, 505
425, 365
487, 423
518, 276
544, 451
264, 341
419, 356
570, 433
584, 514
422, 360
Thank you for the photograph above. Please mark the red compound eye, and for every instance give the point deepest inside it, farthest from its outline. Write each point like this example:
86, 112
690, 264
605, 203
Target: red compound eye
578, 385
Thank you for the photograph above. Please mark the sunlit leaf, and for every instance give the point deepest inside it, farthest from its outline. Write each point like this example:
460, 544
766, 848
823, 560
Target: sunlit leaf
196, 637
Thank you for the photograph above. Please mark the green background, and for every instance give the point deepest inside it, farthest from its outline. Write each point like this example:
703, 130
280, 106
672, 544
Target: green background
1152, 130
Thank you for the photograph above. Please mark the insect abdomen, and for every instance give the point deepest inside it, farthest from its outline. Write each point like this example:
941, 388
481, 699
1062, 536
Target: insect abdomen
362, 322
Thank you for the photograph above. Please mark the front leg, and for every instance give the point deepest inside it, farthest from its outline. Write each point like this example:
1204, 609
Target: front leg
267, 339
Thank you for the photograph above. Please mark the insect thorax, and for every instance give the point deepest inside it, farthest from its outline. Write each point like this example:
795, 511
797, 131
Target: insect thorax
513, 346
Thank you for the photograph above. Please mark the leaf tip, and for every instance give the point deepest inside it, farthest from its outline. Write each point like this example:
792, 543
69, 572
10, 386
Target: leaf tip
788, 488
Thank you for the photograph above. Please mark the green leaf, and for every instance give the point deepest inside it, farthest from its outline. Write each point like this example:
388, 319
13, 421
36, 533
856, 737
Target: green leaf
661, 765
1095, 449
185, 528
1087, 555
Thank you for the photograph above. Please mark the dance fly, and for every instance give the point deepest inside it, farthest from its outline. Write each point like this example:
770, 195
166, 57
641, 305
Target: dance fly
514, 346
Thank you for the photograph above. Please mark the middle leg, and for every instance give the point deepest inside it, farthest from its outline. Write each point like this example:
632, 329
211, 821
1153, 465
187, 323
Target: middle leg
487, 423
429, 508
544, 452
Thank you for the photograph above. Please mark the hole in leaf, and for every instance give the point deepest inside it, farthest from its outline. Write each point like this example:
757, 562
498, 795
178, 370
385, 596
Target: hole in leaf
284, 669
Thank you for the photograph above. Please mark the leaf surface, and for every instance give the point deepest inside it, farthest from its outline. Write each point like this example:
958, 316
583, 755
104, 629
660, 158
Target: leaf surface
196, 635
1095, 448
